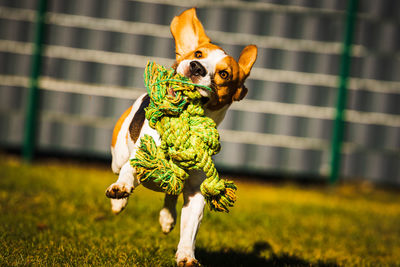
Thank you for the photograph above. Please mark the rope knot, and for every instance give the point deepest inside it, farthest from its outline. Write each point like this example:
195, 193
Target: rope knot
188, 139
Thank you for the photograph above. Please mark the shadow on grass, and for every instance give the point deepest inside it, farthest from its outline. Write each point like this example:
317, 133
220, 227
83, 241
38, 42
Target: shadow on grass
236, 258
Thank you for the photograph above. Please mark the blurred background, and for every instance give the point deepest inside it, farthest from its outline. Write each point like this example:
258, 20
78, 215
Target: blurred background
94, 53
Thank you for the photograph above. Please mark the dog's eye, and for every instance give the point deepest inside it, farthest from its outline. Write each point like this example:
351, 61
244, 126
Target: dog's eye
224, 74
198, 54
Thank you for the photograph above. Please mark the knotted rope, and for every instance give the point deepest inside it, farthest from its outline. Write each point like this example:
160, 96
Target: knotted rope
188, 139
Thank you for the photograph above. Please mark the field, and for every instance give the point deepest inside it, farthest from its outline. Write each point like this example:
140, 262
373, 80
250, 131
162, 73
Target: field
56, 213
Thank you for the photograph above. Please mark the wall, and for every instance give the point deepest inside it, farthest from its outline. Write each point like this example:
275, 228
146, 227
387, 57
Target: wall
95, 53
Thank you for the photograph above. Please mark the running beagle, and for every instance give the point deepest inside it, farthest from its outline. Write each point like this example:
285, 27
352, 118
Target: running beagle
206, 64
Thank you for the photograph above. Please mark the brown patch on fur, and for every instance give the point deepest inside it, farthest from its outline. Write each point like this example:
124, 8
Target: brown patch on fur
137, 121
118, 126
227, 87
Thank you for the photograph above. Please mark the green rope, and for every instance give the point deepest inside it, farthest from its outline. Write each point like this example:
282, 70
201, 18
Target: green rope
188, 139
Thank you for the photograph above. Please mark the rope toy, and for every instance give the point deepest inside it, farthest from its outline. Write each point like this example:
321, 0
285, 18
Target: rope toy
188, 139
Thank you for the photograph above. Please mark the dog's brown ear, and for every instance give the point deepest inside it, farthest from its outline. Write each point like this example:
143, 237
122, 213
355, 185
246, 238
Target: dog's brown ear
240, 93
246, 62
188, 33
247, 59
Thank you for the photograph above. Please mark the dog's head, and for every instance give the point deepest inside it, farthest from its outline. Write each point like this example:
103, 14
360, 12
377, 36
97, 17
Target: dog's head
207, 64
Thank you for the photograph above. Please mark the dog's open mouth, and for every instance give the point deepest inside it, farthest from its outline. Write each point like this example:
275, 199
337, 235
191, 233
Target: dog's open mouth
206, 95
204, 100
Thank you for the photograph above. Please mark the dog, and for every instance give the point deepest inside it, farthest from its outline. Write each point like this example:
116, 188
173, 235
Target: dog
205, 64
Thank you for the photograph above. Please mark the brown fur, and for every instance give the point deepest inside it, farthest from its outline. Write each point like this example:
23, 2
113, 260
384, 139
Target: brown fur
137, 121
118, 126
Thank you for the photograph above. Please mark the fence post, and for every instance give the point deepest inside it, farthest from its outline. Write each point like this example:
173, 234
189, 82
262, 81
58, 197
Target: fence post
345, 62
33, 91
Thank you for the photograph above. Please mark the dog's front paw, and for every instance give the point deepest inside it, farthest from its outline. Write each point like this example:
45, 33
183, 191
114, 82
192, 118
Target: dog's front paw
184, 260
118, 205
119, 190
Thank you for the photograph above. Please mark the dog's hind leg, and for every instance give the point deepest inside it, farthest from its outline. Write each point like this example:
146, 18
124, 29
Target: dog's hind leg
168, 213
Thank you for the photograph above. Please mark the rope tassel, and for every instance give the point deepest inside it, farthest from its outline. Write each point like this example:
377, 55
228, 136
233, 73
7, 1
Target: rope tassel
188, 139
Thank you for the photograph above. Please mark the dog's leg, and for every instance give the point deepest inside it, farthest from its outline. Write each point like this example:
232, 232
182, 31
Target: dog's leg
122, 188
168, 213
192, 213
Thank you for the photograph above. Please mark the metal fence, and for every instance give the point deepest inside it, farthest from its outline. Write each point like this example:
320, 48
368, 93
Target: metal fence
95, 51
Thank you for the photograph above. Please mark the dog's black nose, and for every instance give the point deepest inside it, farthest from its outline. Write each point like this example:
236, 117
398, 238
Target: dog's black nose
197, 69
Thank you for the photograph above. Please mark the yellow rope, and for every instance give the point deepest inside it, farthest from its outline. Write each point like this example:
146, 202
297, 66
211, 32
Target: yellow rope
188, 139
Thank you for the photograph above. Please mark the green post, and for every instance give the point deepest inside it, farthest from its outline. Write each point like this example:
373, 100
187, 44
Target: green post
342, 93
33, 93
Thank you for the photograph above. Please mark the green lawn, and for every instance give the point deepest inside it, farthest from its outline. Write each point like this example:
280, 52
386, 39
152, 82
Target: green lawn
55, 213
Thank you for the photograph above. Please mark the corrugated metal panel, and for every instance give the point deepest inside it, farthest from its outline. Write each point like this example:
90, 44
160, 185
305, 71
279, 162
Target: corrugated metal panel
95, 48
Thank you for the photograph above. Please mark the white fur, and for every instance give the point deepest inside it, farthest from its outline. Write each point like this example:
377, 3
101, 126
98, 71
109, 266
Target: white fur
123, 151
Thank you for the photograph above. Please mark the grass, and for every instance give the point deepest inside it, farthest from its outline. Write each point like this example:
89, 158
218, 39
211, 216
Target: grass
56, 213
